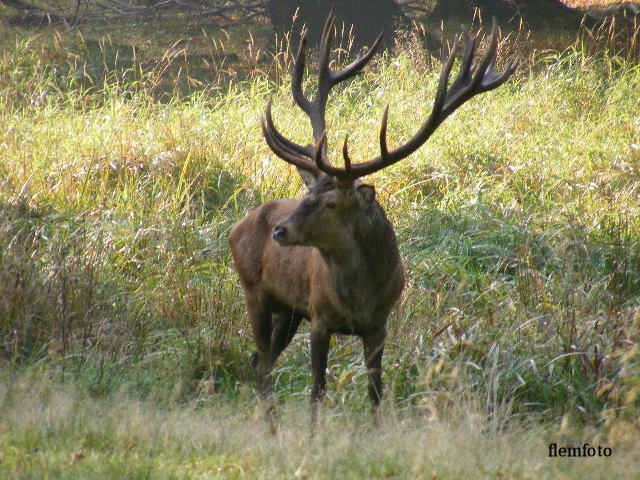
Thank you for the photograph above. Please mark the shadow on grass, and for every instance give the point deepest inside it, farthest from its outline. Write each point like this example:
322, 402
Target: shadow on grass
165, 59
527, 315
117, 299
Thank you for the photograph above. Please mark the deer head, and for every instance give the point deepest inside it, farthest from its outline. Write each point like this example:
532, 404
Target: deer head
326, 214
336, 194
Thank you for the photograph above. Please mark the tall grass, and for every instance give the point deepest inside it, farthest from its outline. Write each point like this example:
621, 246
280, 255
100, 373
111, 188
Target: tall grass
518, 224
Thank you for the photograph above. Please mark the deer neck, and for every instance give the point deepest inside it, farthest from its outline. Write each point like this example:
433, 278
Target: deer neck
361, 267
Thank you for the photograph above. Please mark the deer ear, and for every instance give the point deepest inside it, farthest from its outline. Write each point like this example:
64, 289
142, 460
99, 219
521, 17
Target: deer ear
365, 194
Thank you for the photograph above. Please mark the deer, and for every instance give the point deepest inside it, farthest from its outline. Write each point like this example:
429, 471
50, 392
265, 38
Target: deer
332, 257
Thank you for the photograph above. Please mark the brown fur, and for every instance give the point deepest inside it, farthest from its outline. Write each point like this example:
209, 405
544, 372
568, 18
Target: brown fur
338, 266
332, 257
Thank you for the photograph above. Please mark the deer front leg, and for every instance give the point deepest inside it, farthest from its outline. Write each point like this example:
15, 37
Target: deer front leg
319, 352
373, 344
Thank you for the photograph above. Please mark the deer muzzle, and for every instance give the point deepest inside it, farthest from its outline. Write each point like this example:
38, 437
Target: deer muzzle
279, 234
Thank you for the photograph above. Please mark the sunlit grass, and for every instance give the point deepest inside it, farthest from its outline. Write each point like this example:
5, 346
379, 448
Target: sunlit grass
518, 224
54, 431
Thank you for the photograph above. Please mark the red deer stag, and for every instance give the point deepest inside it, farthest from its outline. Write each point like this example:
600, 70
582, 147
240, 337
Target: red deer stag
332, 257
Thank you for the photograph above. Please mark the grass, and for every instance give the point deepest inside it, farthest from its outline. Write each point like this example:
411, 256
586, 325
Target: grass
124, 340
54, 432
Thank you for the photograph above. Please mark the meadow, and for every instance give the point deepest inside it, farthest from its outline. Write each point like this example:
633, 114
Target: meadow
128, 152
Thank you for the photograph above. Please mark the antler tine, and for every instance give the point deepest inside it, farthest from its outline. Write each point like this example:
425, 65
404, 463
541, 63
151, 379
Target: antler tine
283, 149
320, 158
464, 74
489, 57
471, 80
345, 153
443, 91
470, 84
296, 77
326, 42
295, 148
487, 64
323, 165
273, 142
355, 67
494, 79
384, 151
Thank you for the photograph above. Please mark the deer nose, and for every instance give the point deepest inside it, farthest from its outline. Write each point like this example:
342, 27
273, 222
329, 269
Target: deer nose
278, 233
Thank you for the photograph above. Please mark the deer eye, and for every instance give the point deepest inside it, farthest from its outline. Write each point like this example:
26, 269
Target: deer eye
331, 205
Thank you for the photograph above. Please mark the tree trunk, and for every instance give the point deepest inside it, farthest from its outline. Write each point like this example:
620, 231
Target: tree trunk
361, 19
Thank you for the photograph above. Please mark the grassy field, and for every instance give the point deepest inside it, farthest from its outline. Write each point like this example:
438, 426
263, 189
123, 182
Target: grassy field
125, 158
55, 432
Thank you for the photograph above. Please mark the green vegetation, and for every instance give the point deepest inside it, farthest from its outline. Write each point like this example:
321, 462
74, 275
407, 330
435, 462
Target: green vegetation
124, 341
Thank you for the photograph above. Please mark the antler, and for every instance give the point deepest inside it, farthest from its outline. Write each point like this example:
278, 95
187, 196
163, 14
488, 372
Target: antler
471, 80
302, 156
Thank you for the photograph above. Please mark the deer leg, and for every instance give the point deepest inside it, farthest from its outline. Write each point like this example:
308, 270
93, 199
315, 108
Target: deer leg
261, 358
373, 344
319, 353
285, 326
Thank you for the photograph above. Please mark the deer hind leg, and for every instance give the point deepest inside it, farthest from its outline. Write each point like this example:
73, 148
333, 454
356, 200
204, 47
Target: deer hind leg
373, 344
261, 358
284, 326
